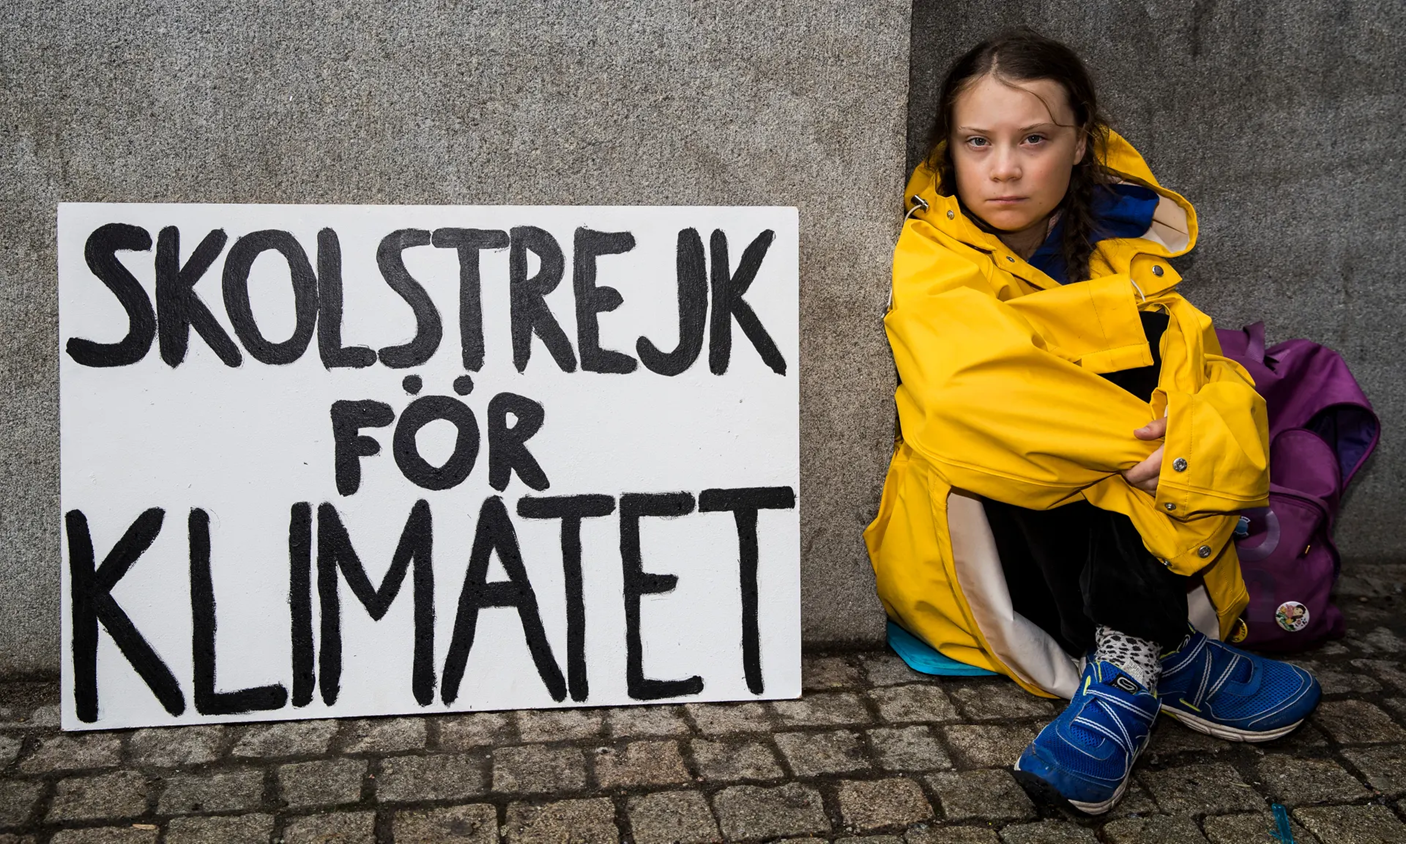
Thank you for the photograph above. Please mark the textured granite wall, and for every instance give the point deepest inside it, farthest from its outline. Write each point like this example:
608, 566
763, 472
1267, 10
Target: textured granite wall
1280, 121
565, 102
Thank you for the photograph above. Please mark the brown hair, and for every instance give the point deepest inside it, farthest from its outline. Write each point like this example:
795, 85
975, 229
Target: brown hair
1023, 55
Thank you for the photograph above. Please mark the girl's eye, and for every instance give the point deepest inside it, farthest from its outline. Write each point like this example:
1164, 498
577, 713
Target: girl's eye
977, 142
1034, 139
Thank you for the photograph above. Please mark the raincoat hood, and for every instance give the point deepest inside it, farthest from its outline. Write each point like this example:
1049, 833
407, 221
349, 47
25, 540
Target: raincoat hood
1172, 232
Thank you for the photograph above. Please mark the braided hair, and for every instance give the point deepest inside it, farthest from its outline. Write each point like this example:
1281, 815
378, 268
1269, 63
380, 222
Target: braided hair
1023, 55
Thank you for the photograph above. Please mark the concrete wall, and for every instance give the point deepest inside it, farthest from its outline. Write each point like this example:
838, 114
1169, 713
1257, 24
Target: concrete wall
567, 102
1281, 122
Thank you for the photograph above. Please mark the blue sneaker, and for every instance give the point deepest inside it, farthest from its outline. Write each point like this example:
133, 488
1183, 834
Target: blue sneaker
1083, 757
1224, 692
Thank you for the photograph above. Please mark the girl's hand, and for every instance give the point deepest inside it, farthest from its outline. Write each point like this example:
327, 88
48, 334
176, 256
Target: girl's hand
1144, 475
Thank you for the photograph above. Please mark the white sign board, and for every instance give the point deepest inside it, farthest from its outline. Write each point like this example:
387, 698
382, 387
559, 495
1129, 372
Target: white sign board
327, 461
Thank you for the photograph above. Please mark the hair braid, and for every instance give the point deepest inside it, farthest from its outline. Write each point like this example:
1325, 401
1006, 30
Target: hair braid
1077, 246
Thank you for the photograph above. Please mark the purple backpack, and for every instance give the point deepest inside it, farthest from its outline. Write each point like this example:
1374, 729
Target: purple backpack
1321, 431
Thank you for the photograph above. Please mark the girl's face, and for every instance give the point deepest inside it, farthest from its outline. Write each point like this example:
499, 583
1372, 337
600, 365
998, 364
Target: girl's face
1014, 145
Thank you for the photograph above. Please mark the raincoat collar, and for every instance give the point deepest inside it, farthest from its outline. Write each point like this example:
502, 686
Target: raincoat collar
1172, 231
1122, 210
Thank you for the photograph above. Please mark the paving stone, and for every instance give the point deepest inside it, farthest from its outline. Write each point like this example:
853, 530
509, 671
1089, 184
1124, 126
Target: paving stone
813, 754
285, 740
383, 735
14, 717
986, 745
869, 805
92, 751
339, 828
1047, 832
243, 829
1333, 649
924, 834
826, 673
640, 763
1370, 824
1135, 803
45, 717
1256, 827
639, 721
1170, 739
220, 791
1337, 683
477, 824
988, 700
326, 782
830, 709
1162, 829
886, 669
449, 776
1306, 735
749, 811
145, 834
715, 718
7, 838
983, 795
9, 749
1295, 782
172, 747
1381, 641
1384, 767
17, 801
672, 817
908, 749
870, 839
563, 822
538, 770
121, 794
1357, 722
1390, 671
923, 704
476, 729
737, 760
1200, 789
560, 724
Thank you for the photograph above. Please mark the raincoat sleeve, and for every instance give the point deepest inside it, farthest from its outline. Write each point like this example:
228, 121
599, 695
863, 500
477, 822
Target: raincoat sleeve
1005, 396
1217, 455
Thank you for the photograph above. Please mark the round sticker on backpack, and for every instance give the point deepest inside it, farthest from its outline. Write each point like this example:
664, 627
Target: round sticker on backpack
1292, 616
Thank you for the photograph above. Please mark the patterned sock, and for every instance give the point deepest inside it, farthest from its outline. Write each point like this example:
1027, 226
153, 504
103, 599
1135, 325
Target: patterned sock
1139, 658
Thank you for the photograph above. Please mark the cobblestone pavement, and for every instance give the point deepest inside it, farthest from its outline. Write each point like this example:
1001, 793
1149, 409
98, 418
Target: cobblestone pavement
871, 752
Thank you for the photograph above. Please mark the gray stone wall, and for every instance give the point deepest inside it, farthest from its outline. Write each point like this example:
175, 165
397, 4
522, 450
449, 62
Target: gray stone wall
566, 102
1277, 119
1281, 122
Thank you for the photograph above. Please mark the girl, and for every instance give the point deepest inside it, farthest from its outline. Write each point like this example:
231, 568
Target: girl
1074, 450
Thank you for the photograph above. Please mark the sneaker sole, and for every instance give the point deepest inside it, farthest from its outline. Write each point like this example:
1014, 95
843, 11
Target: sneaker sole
1221, 731
1042, 791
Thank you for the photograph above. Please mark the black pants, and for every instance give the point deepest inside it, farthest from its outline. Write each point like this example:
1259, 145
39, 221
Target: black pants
1077, 566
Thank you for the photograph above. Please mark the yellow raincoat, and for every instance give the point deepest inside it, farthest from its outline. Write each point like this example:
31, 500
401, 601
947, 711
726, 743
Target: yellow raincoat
1000, 396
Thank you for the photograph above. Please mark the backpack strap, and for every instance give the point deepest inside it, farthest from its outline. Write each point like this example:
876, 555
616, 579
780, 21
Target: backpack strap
1254, 347
1245, 346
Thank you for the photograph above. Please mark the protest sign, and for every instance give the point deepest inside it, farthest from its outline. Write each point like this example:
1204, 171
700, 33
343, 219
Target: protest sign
329, 461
